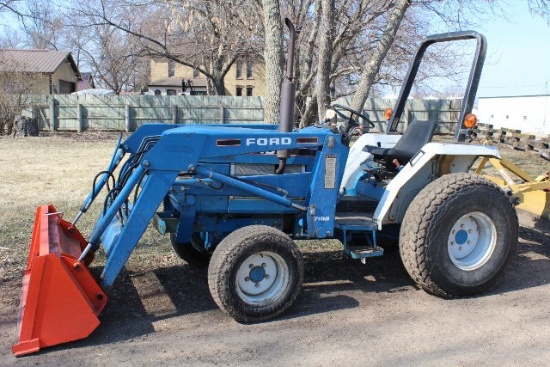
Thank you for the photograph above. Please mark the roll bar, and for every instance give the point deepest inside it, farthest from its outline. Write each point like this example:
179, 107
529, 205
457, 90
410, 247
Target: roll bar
471, 86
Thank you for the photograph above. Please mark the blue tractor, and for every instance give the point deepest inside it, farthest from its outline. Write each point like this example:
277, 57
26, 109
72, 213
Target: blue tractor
236, 197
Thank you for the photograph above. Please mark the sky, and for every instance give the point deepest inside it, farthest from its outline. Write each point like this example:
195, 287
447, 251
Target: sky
518, 54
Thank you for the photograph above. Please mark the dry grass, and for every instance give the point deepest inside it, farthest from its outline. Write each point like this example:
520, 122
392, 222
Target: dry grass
59, 169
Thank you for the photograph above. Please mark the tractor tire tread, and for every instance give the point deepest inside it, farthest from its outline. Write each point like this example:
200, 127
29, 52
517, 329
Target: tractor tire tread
227, 254
421, 212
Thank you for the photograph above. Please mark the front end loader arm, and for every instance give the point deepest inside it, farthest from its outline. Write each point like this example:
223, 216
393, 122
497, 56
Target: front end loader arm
61, 300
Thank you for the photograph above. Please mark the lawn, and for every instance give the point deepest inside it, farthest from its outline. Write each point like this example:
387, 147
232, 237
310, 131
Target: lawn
51, 169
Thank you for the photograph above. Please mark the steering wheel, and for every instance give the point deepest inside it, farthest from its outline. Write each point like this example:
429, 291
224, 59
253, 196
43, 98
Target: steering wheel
351, 124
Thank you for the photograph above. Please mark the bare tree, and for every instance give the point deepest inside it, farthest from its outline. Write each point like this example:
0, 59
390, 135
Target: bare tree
373, 42
9, 11
384, 44
305, 57
273, 56
10, 6
42, 25
15, 86
540, 8
207, 36
352, 39
325, 57
114, 57
78, 39
364, 53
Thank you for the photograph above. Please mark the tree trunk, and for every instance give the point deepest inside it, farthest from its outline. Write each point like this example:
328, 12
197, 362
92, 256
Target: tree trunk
217, 85
273, 56
310, 107
325, 57
372, 67
304, 72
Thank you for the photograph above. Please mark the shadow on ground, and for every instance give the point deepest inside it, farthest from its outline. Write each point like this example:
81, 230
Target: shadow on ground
330, 283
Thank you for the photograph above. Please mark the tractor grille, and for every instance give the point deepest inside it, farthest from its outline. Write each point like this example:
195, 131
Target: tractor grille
262, 169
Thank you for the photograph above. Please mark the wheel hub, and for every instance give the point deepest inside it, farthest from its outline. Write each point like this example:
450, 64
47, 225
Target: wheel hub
257, 274
461, 237
464, 237
471, 241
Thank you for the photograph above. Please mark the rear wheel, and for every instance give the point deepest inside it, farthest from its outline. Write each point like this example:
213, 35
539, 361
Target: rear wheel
458, 235
256, 273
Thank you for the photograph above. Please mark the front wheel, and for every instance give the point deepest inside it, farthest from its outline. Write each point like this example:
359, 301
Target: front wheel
255, 273
458, 235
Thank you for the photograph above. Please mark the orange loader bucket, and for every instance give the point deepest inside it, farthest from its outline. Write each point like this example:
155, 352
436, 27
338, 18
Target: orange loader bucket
60, 299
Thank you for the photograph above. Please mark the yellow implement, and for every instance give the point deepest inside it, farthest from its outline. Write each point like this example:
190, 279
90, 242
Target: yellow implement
531, 193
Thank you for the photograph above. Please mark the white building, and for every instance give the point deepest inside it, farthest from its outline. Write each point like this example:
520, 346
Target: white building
530, 114
175, 86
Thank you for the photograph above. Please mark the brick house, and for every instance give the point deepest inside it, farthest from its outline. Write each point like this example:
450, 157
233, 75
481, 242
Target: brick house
245, 78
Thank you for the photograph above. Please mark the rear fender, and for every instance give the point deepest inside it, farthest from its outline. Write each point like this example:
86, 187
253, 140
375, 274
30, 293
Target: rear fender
431, 162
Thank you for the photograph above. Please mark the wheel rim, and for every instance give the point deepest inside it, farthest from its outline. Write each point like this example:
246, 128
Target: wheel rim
262, 278
472, 241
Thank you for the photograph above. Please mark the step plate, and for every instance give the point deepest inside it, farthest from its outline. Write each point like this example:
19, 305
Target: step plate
366, 252
355, 221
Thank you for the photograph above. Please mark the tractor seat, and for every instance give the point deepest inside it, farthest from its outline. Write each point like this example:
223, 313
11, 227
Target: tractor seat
413, 139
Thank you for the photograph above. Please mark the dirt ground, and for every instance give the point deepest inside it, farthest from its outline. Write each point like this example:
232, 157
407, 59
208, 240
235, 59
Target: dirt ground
160, 312
347, 314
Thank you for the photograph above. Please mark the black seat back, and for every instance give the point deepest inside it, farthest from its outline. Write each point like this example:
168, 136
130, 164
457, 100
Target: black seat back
417, 134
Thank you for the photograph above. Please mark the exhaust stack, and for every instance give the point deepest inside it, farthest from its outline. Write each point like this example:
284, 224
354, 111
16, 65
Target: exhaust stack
288, 87
288, 95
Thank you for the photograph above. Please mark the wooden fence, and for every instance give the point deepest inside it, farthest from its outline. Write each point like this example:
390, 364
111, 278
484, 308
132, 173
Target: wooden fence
444, 111
127, 113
